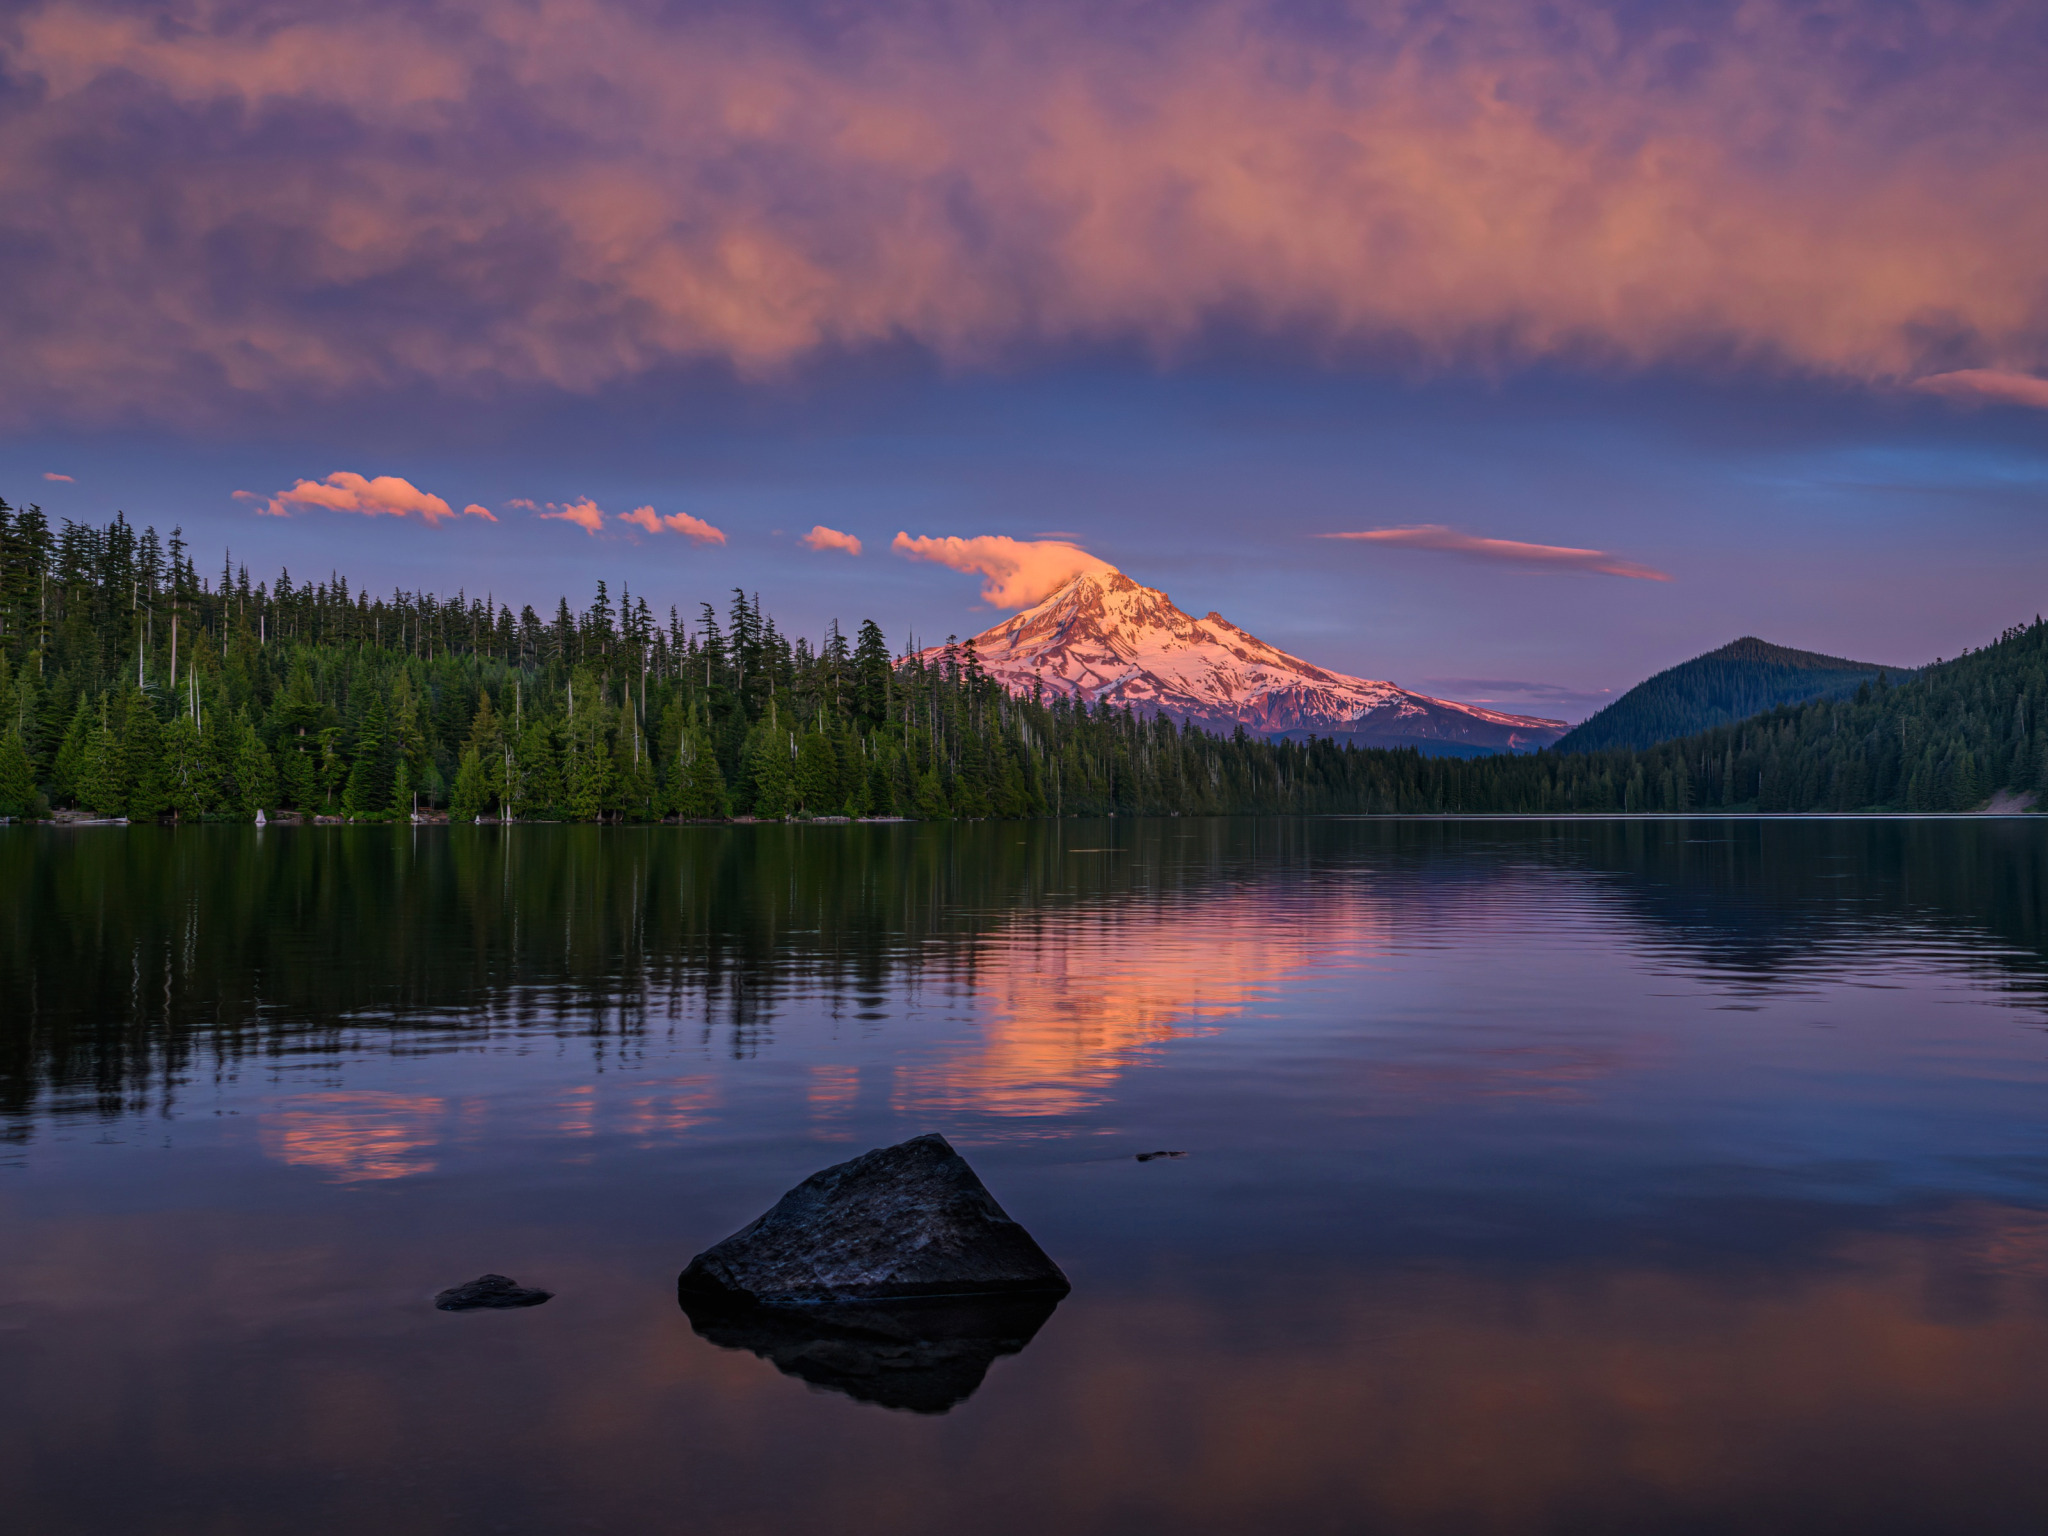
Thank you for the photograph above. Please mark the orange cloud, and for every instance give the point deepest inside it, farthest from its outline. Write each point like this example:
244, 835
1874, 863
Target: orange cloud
1551, 557
1471, 187
1988, 384
476, 509
1020, 572
821, 537
48, 475
695, 529
342, 491
588, 516
583, 513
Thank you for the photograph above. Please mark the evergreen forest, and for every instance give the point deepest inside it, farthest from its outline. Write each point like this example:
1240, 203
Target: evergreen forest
1744, 678
132, 685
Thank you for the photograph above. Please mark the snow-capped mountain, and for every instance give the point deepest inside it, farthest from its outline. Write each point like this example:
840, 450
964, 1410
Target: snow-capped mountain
1103, 636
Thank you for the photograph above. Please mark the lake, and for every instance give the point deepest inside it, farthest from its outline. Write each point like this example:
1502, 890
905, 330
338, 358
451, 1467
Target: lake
1538, 1176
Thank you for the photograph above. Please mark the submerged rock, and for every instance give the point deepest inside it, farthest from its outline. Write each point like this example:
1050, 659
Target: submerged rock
896, 1223
918, 1356
490, 1291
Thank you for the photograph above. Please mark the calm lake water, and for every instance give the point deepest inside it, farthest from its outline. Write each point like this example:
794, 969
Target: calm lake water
1684, 1175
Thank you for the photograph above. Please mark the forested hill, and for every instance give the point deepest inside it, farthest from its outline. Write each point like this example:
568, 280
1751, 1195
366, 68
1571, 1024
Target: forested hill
132, 685
1744, 678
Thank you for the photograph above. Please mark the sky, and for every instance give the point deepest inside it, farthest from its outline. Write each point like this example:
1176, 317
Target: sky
1509, 351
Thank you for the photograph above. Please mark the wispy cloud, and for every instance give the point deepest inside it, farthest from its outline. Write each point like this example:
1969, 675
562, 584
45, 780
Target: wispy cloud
1020, 572
52, 475
821, 537
587, 515
1477, 185
1987, 385
345, 491
1518, 693
1549, 557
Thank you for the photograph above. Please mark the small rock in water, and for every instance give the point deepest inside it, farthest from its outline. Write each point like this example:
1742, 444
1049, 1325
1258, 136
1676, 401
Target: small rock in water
896, 1223
490, 1291
1146, 1157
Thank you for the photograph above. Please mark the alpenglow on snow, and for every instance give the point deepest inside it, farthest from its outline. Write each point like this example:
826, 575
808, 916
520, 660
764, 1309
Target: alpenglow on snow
1103, 636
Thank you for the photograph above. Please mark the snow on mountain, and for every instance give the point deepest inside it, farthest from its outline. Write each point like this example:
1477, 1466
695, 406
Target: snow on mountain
1104, 636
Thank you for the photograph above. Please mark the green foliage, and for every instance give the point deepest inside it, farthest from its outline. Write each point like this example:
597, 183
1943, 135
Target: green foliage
699, 792
17, 777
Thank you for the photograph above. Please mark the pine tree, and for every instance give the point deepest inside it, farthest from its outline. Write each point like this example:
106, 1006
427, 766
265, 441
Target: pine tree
817, 775
769, 768
17, 777
69, 765
369, 780
471, 795
700, 789
99, 774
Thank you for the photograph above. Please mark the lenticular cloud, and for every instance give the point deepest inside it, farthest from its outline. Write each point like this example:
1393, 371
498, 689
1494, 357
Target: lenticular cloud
1476, 184
1552, 557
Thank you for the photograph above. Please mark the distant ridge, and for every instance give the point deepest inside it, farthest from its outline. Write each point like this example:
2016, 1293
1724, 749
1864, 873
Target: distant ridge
1744, 678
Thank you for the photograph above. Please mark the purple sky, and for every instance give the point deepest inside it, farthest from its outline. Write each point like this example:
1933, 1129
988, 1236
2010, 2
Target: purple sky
1555, 300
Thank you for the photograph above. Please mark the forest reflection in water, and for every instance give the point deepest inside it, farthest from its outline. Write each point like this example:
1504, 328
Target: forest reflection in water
1675, 1174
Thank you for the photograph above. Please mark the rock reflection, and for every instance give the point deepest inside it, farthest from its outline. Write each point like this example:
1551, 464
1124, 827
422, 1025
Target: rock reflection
918, 1356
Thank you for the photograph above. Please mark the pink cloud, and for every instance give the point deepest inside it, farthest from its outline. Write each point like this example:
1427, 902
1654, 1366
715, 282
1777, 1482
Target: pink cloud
695, 529
1020, 572
1988, 384
1552, 557
821, 537
476, 509
1477, 185
49, 475
523, 504
583, 513
344, 491
586, 514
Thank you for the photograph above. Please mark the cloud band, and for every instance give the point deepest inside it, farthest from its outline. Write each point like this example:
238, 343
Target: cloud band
1551, 557
1475, 184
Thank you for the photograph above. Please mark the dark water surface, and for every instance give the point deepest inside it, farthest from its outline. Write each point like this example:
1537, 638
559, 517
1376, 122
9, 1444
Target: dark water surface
1682, 1175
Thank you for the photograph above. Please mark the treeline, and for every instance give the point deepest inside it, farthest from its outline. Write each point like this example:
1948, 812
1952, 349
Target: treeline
131, 685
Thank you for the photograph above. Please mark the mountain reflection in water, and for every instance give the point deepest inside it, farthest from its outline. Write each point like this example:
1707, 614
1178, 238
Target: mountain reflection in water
1675, 1175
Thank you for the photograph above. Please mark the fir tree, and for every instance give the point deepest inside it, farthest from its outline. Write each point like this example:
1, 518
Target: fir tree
17, 777
369, 779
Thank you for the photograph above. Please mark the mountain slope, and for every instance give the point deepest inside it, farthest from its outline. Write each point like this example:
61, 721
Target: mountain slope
1103, 636
1744, 678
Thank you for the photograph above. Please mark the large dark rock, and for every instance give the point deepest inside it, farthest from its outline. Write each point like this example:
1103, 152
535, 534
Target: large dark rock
897, 1223
919, 1356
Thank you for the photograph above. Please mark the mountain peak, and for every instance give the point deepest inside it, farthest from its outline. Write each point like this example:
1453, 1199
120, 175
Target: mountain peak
1104, 636
1743, 678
